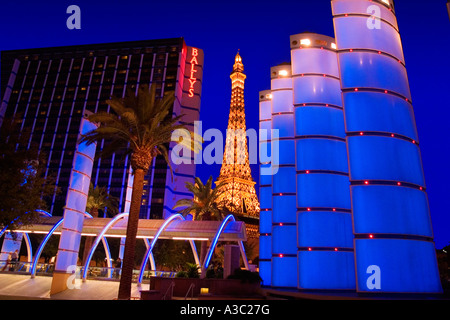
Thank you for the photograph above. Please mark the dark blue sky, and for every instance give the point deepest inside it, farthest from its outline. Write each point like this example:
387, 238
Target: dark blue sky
261, 30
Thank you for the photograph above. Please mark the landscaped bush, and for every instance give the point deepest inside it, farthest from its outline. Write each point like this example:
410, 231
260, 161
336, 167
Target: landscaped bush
246, 276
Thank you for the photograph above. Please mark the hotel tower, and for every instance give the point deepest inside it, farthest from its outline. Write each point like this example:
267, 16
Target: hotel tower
50, 89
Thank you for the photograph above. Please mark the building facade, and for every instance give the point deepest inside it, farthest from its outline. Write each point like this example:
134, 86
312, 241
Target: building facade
358, 216
51, 88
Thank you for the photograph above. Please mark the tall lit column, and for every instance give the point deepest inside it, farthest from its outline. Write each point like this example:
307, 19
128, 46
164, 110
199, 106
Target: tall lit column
394, 248
74, 211
284, 220
265, 188
448, 7
325, 237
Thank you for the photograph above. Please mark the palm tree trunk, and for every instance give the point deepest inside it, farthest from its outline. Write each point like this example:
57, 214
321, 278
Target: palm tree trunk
130, 241
89, 240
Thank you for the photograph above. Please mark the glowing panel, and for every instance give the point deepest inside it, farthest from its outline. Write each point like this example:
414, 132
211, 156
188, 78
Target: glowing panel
265, 272
265, 179
372, 70
284, 239
282, 181
321, 154
265, 221
326, 270
385, 39
362, 7
325, 229
265, 196
265, 110
319, 121
284, 123
287, 152
396, 265
282, 100
265, 247
391, 209
317, 89
284, 209
314, 61
315, 186
379, 112
284, 272
384, 158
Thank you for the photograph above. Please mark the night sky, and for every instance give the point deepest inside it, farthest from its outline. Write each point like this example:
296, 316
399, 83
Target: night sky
261, 30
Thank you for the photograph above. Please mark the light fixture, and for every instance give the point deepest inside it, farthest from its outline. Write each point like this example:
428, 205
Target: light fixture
305, 42
204, 290
283, 73
334, 46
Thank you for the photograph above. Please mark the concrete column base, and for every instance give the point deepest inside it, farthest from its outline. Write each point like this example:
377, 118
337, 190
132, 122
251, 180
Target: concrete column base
59, 282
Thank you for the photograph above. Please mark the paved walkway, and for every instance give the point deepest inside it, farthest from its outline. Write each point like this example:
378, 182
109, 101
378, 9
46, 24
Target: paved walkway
15, 286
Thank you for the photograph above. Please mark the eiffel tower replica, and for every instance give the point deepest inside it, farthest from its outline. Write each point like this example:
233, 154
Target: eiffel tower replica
237, 187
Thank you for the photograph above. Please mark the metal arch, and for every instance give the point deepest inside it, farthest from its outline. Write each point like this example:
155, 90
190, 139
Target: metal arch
108, 256
214, 243
97, 241
152, 244
27, 237
152, 258
42, 212
29, 249
42, 245
106, 247
169, 220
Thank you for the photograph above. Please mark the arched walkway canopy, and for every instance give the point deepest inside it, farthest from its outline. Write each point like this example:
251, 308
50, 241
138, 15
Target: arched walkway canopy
178, 229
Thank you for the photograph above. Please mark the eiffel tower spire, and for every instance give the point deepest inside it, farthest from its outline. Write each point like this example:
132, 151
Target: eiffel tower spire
238, 194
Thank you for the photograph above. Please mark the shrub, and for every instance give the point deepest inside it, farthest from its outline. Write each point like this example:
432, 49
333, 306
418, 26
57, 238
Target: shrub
246, 276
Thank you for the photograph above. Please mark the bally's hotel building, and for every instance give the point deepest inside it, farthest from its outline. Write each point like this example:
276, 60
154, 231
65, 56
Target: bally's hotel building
50, 89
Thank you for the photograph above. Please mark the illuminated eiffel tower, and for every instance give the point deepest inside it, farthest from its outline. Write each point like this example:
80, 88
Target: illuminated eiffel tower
238, 188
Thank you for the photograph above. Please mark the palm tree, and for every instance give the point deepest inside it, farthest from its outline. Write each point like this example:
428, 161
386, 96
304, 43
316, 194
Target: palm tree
98, 199
141, 126
202, 206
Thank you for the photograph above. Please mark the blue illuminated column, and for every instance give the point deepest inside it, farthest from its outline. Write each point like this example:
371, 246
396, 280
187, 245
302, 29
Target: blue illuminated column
325, 237
265, 187
394, 248
284, 220
74, 210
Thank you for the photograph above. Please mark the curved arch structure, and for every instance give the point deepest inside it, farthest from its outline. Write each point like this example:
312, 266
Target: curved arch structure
149, 252
27, 237
214, 243
42, 245
42, 212
29, 249
97, 241
151, 257
108, 256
